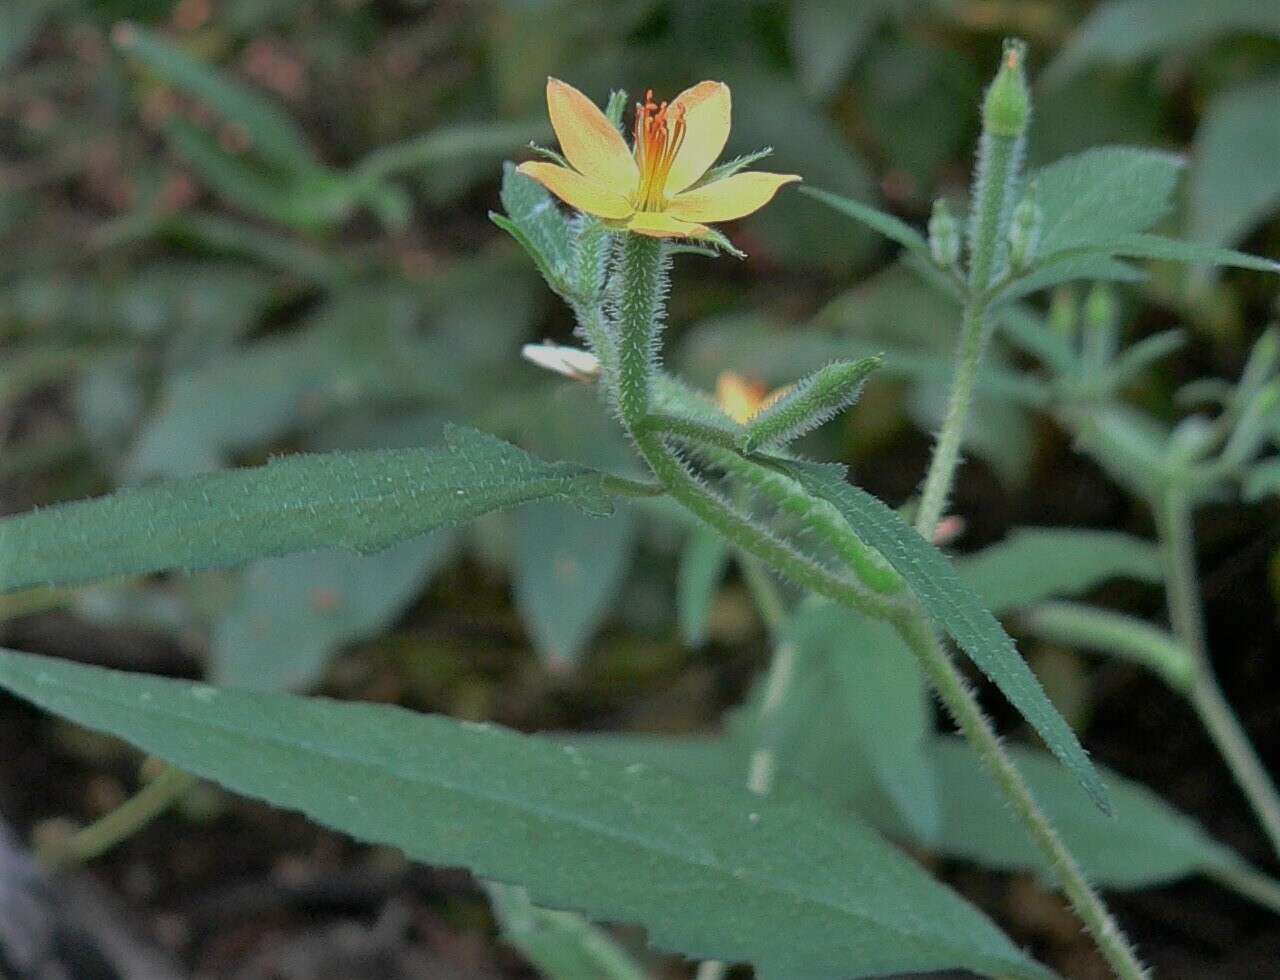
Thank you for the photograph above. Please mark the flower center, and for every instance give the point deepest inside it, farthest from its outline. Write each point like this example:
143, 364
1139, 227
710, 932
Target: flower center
658, 135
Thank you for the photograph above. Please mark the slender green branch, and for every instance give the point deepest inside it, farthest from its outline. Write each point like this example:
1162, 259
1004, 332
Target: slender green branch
122, 822
1251, 884
624, 487
1183, 592
691, 429
977, 729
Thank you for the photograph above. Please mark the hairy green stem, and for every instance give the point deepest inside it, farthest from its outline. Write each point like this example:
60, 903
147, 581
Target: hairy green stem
994, 187
1251, 884
122, 822
976, 728
1185, 615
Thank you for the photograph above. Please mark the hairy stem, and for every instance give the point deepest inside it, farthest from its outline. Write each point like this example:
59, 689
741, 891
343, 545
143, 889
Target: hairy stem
1185, 615
976, 728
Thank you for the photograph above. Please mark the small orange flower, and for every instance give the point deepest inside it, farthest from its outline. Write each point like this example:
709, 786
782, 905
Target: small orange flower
653, 187
743, 400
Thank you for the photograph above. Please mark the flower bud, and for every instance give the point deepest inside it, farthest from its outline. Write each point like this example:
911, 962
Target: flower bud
944, 235
1100, 321
1006, 107
1024, 229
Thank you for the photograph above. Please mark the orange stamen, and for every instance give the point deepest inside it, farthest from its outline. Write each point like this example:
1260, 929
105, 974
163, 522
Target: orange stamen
657, 140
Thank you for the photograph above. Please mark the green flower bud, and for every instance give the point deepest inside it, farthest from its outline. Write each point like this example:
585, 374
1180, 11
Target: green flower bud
1024, 229
1101, 321
944, 235
1006, 107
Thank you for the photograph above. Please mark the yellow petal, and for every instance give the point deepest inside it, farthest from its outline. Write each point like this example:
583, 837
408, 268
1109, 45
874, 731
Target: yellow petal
706, 108
733, 197
578, 191
656, 224
589, 141
737, 397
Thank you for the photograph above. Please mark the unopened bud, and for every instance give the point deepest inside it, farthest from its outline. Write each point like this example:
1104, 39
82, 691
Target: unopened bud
1064, 312
1101, 320
1024, 229
1007, 105
573, 363
944, 235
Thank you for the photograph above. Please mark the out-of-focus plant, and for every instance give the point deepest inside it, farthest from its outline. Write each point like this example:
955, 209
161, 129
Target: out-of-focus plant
758, 846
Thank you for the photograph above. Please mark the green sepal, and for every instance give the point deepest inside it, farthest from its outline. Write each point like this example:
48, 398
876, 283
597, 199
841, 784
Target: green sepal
809, 403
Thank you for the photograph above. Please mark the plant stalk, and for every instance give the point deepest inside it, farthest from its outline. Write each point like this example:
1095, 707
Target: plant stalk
1185, 615
122, 822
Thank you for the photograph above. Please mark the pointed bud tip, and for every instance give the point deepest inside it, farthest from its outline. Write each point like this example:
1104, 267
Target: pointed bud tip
1006, 108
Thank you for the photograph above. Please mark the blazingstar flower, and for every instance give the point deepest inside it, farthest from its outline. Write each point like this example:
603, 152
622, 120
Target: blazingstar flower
656, 187
743, 400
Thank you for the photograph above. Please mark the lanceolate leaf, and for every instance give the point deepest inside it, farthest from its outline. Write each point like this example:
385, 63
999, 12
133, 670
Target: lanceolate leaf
955, 608
1147, 842
885, 224
711, 872
1040, 563
1102, 193
1175, 250
361, 501
702, 565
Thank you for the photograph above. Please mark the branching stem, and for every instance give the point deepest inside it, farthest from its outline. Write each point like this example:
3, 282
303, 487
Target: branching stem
1183, 592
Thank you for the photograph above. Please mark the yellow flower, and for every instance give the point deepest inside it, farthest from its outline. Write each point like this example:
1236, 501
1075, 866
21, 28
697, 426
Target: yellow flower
652, 188
743, 400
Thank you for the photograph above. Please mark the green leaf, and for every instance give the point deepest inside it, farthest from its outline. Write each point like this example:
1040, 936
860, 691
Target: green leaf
568, 572
1145, 842
361, 501
1175, 250
855, 682
810, 402
1103, 193
292, 614
825, 36
1077, 625
1262, 480
1229, 191
702, 564
1066, 267
271, 132
1039, 563
710, 872
1125, 31
561, 944
885, 224
955, 608
534, 221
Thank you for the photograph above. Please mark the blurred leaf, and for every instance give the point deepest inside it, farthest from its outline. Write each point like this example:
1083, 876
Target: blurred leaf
1084, 627
703, 561
1145, 843
1175, 250
1124, 31
19, 25
292, 614
710, 872
1263, 480
1039, 563
357, 348
826, 35
1094, 110
568, 572
857, 683
361, 501
886, 224
271, 133
922, 100
1101, 194
562, 945
954, 608
769, 110
1067, 267
1230, 191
